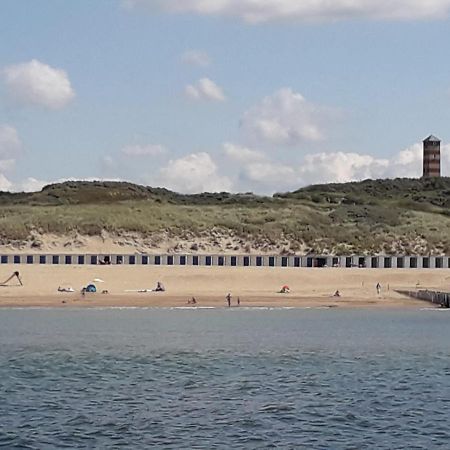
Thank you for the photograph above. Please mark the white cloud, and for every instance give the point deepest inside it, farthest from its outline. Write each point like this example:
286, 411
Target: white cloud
254, 170
196, 58
36, 83
260, 11
10, 144
269, 172
257, 172
261, 173
136, 151
5, 184
242, 154
341, 167
408, 162
30, 184
193, 173
287, 118
205, 89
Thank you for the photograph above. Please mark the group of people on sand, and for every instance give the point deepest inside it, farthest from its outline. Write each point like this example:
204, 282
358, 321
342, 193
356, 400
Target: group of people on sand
91, 288
228, 297
284, 290
377, 287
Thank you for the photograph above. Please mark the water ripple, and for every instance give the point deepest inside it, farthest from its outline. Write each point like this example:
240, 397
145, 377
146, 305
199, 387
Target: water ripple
117, 386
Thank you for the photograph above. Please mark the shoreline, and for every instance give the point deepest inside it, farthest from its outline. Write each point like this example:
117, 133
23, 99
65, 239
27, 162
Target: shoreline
121, 303
219, 308
170, 302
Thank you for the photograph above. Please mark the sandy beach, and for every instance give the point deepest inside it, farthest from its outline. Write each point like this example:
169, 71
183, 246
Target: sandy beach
209, 285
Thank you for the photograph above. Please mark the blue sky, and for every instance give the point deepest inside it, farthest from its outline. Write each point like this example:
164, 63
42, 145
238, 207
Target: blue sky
232, 95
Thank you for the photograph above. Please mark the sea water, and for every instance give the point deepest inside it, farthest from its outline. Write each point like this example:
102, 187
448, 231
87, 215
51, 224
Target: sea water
224, 378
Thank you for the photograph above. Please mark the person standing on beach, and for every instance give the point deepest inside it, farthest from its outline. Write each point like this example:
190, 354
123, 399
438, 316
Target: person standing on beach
378, 288
228, 297
239, 301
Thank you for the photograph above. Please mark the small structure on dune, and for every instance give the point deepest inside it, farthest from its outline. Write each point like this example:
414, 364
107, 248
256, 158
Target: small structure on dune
431, 157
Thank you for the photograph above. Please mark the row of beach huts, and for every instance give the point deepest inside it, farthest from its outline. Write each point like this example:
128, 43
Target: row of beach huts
308, 261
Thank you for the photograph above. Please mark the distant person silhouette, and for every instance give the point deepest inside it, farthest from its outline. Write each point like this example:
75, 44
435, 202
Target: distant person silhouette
378, 288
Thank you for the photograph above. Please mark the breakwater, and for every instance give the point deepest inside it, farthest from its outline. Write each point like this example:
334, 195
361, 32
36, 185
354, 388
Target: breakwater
436, 297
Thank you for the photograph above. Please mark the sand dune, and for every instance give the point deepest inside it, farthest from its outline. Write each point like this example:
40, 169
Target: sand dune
209, 285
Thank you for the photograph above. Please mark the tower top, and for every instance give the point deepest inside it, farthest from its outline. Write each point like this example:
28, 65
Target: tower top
432, 138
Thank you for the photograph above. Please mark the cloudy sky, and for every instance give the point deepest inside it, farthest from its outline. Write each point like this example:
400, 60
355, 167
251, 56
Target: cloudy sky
212, 95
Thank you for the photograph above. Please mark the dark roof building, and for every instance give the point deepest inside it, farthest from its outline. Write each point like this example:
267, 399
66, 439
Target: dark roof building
432, 138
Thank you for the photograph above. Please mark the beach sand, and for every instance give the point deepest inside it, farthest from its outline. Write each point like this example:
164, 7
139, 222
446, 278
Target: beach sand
256, 286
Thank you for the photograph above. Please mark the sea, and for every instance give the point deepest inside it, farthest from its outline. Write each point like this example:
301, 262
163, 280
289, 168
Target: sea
232, 378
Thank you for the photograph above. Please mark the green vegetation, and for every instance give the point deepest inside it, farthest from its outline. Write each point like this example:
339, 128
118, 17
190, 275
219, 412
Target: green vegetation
402, 215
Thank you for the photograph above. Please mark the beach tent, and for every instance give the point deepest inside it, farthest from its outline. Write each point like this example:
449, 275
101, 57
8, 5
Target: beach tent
91, 288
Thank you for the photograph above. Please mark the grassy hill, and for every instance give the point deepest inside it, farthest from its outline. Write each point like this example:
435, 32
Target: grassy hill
393, 216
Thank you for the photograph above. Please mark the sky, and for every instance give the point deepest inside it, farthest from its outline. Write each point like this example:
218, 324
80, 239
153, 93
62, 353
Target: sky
221, 95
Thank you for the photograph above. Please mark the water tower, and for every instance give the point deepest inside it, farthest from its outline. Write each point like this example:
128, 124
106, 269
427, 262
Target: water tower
431, 157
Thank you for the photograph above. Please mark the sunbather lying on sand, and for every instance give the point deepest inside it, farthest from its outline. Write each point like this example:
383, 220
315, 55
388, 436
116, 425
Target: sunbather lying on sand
66, 289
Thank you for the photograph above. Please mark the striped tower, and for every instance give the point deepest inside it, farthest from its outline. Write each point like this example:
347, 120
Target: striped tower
431, 157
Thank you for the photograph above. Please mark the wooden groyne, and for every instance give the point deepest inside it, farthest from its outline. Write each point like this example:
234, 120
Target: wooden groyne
436, 297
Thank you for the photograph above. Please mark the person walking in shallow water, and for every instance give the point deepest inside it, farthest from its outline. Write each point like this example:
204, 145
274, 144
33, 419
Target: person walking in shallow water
228, 297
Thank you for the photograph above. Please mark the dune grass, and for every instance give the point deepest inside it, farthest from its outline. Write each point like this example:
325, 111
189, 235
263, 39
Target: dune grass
368, 217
